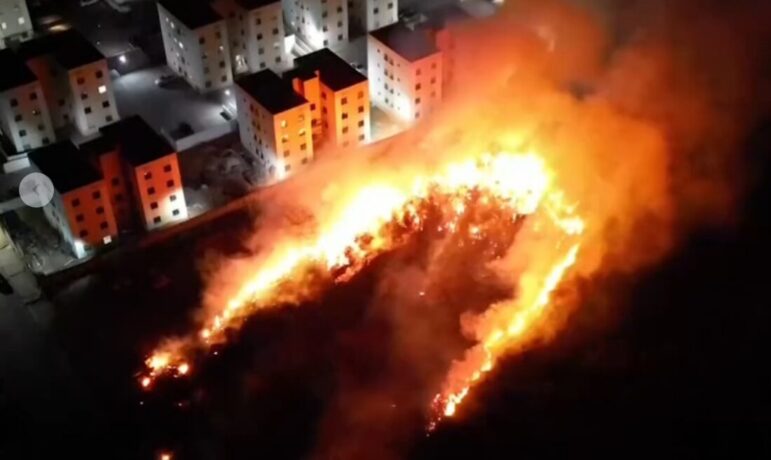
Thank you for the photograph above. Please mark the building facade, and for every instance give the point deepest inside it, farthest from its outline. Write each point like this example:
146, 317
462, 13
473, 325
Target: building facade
369, 15
321, 23
24, 117
339, 98
195, 40
405, 71
274, 124
80, 209
256, 34
15, 23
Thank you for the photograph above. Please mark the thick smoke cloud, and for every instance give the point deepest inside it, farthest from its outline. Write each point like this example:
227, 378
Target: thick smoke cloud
639, 107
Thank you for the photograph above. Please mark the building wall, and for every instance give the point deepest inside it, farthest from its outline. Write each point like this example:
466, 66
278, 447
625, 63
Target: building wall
90, 221
55, 88
24, 117
118, 189
264, 33
345, 114
14, 20
407, 90
158, 188
370, 15
93, 101
310, 89
200, 56
282, 142
322, 23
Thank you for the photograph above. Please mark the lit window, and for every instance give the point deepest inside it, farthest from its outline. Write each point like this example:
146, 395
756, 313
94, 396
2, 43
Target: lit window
102, 89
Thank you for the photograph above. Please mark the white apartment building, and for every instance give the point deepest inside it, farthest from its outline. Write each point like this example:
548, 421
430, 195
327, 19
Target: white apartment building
256, 34
370, 15
75, 80
15, 23
321, 23
24, 118
195, 39
274, 123
405, 71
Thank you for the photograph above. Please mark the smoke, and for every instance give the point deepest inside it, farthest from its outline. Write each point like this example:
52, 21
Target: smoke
638, 106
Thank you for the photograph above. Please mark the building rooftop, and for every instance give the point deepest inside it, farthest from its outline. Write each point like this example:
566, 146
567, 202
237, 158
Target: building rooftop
139, 143
96, 147
333, 70
446, 15
65, 166
192, 13
14, 71
410, 44
273, 93
70, 49
254, 4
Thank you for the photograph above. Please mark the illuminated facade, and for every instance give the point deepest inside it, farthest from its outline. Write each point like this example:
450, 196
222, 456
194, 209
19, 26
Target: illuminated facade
15, 23
405, 71
371, 15
322, 23
75, 80
256, 34
274, 124
339, 98
24, 117
195, 40
80, 209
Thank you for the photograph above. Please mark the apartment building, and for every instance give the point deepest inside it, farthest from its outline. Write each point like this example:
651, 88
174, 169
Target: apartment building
338, 96
405, 71
151, 173
274, 124
369, 15
256, 34
321, 23
75, 80
25, 121
80, 209
195, 40
103, 154
15, 23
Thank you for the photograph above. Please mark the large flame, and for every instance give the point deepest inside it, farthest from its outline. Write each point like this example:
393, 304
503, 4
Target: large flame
370, 221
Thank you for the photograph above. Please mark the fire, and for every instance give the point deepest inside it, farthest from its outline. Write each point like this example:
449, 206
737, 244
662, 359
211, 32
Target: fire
369, 222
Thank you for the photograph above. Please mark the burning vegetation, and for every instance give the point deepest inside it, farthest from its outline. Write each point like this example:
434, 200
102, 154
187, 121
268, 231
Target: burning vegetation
560, 165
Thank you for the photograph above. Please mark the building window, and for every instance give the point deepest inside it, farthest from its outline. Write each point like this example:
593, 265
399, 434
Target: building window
75, 203
345, 129
361, 137
108, 119
175, 212
154, 205
33, 96
173, 198
345, 115
80, 218
361, 94
148, 175
97, 194
288, 168
157, 220
201, 40
81, 80
169, 183
167, 168
22, 133
14, 103
303, 147
100, 210
106, 104
151, 191
17, 118
87, 110
103, 225
46, 141
99, 74
361, 123
361, 109
115, 181
83, 233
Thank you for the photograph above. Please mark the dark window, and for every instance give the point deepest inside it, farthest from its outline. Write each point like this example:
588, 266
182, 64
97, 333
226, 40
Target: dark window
87, 110
169, 183
153, 205
175, 212
83, 233
17, 118
83, 96
361, 109
40, 127
75, 203
345, 129
80, 218
118, 197
259, 36
108, 119
103, 225
201, 40
173, 198
222, 64
167, 168
106, 104
97, 194
275, 31
99, 74
313, 106
148, 175
151, 191
345, 115
46, 141
361, 137
33, 96
361, 123
361, 94
14, 103
303, 146
157, 220
100, 210
81, 80
22, 133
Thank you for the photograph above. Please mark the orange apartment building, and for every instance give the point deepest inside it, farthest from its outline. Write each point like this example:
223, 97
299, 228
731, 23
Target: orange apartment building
339, 98
81, 210
274, 124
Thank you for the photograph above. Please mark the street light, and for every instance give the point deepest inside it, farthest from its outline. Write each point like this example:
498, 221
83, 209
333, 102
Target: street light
122, 59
